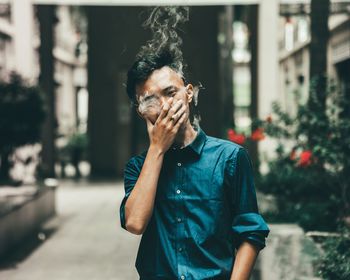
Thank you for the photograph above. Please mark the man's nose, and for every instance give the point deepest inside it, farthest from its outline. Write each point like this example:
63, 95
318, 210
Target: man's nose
163, 100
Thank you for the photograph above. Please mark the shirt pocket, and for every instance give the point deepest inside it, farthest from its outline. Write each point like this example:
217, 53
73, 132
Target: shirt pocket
206, 186
209, 225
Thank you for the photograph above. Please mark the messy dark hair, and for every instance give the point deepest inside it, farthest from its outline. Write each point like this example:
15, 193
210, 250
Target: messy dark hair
145, 65
164, 49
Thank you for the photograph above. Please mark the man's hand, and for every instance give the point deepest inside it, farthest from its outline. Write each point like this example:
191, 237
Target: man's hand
162, 134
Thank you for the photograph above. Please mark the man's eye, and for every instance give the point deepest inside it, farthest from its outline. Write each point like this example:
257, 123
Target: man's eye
171, 93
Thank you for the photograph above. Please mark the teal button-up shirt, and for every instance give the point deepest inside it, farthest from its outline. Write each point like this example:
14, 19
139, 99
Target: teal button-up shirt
205, 206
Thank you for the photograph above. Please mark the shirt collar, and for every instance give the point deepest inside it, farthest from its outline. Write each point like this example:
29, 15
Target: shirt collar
197, 144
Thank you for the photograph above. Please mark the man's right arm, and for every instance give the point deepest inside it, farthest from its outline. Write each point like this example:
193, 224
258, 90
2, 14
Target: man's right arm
140, 203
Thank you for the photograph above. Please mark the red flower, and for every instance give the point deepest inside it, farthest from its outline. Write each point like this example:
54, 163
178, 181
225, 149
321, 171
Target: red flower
305, 159
237, 138
230, 133
258, 134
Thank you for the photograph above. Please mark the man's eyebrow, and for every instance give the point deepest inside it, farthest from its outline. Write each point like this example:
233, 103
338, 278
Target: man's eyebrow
169, 88
146, 96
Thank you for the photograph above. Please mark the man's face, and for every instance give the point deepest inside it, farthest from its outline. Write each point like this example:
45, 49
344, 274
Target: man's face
162, 84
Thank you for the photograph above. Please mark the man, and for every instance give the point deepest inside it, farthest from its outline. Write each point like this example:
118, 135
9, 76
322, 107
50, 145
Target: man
190, 195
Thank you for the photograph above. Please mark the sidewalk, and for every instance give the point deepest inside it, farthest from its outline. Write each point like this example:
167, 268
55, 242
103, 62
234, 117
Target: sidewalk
83, 242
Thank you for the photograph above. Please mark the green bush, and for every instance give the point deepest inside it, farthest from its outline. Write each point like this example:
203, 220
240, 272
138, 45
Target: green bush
309, 176
334, 262
304, 196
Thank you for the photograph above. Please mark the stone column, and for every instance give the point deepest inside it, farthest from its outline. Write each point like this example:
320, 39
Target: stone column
268, 63
47, 19
22, 18
267, 55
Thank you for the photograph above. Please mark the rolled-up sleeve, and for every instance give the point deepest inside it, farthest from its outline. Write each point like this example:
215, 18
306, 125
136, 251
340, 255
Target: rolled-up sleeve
131, 174
248, 224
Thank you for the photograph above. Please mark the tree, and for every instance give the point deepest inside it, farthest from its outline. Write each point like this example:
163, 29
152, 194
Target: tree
21, 115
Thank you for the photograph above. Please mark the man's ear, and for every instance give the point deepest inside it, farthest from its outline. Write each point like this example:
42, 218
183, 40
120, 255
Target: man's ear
189, 92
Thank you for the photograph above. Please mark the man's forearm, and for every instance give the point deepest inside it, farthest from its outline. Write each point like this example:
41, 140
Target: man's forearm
139, 206
244, 261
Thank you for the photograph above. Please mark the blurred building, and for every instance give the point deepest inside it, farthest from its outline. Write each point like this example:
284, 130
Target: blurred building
294, 55
246, 55
115, 131
70, 54
19, 52
17, 39
19, 43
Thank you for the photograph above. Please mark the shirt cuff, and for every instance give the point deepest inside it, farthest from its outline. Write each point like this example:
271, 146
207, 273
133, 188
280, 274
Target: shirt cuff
122, 212
250, 227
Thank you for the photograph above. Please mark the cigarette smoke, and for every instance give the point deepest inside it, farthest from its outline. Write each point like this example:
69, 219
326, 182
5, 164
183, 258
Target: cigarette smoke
149, 105
164, 24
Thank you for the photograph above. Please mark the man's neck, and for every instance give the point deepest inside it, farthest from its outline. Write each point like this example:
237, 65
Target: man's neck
185, 135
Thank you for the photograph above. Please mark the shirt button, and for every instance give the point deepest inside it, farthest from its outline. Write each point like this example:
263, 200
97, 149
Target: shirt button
182, 277
179, 164
179, 220
180, 249
178, 191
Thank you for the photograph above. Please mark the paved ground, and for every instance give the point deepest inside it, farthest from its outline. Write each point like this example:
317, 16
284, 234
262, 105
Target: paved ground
84, 242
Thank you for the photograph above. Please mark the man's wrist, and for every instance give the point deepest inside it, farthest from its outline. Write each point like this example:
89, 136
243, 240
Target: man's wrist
157, 151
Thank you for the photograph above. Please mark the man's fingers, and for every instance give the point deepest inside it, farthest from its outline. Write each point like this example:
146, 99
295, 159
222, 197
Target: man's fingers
165, 109
149, 124
179, 122
179, 113
174, 109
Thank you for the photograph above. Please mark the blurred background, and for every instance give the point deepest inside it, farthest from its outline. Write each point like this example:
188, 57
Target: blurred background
276, 78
